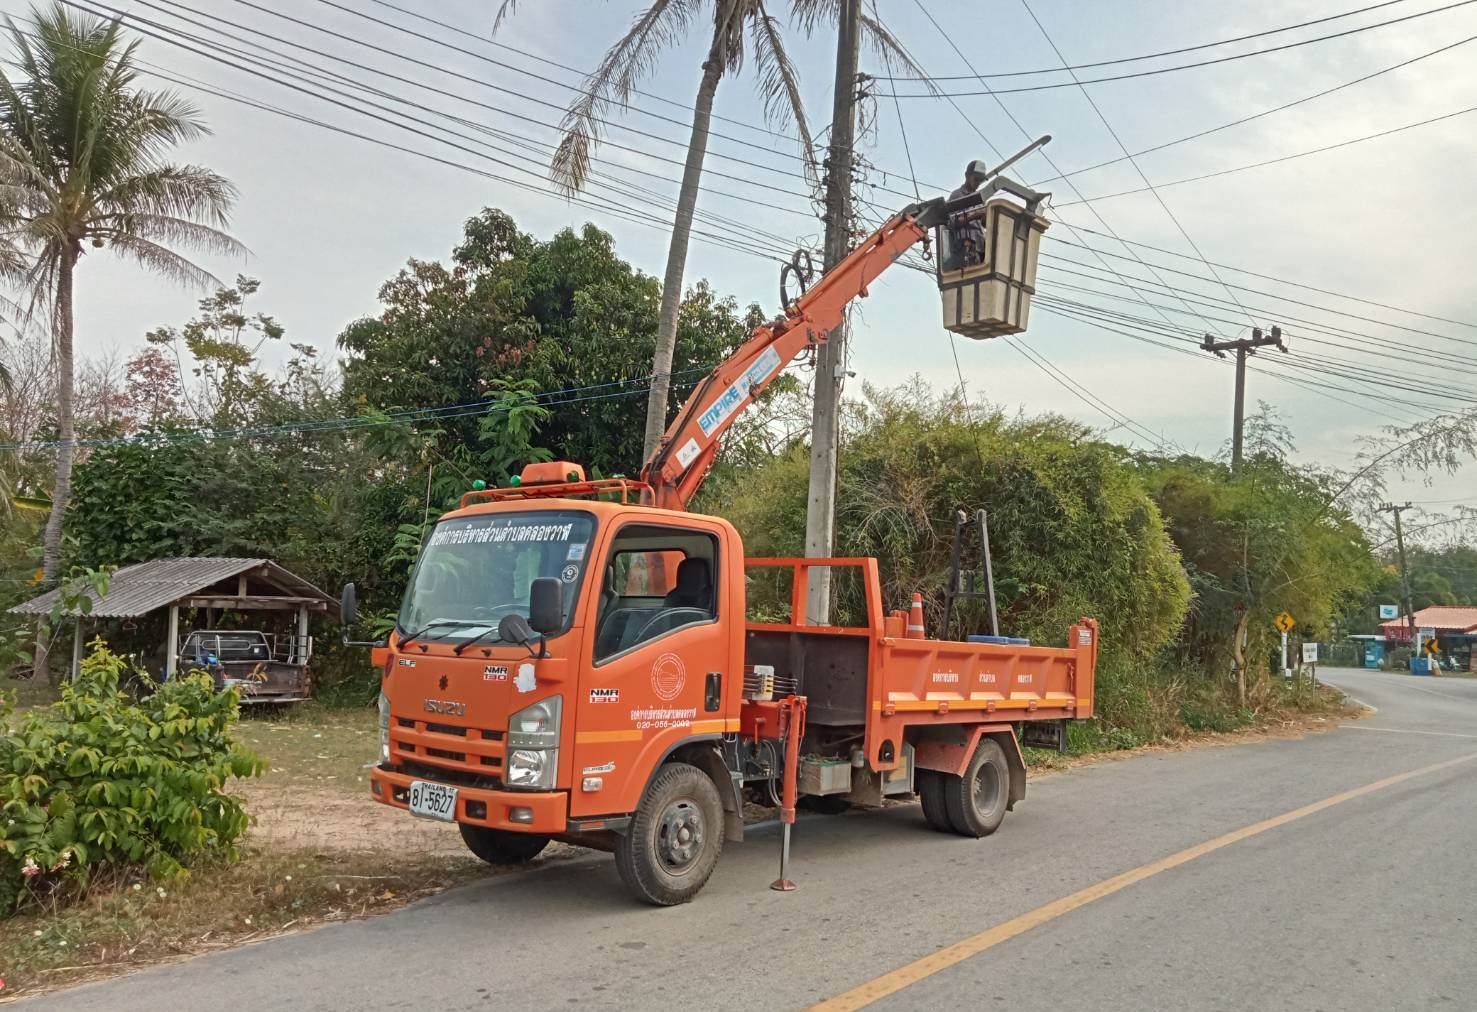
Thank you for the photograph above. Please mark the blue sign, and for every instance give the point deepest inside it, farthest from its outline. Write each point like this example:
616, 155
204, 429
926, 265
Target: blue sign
1389, 611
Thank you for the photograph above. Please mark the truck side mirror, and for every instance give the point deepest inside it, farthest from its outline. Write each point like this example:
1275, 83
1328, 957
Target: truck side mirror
546, 605
348, 605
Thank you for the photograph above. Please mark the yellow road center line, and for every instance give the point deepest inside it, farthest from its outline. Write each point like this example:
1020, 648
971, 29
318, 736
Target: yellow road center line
927, 966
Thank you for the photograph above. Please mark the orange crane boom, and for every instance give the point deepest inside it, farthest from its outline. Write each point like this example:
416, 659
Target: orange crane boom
684, 456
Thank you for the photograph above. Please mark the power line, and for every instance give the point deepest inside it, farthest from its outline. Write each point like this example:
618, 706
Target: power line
1258, 115
1131, 160
1186, 66
949, 39
614, 144
1283, 158
347, 422
411, 129
1165, 52
1273, 295
1283, 281
490, 41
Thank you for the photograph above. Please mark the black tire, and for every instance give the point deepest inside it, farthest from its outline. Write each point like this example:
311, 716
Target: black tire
501, 847
976, 801
930, 784
675, 837
825, 804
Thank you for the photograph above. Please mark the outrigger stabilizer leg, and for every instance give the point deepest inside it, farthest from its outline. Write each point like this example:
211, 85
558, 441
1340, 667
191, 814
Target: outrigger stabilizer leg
794, 708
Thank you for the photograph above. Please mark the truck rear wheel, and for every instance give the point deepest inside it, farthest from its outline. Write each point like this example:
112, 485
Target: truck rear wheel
500, 846
675, 837
976, 801
930, 784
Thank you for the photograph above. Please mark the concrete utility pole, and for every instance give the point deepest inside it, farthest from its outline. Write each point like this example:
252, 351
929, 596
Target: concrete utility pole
830, 366
1243, 348
1408, 602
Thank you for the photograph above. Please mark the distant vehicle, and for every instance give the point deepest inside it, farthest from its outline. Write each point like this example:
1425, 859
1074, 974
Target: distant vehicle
262, 666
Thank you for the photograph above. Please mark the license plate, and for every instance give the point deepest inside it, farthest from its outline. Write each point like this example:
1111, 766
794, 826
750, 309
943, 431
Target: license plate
434, 801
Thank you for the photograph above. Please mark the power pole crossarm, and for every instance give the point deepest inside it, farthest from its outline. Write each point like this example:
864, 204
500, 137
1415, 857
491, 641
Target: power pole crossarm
1242, 347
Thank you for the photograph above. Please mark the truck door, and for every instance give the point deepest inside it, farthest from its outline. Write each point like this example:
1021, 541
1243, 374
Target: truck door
659, 661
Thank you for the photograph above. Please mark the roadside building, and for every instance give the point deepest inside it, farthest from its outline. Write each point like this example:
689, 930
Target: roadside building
1454, 628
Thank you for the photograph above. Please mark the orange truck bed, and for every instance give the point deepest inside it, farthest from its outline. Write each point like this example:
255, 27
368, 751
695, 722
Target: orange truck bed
860, 677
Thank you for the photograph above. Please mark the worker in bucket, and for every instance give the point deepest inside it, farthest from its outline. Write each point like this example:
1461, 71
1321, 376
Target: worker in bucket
967, 235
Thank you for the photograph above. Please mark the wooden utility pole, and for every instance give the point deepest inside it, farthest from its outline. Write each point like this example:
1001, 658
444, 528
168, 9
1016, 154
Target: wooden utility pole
1242, 348
830, 366
1408, 601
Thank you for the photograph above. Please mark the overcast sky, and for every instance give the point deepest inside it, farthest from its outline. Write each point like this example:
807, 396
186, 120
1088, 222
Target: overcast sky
329, 217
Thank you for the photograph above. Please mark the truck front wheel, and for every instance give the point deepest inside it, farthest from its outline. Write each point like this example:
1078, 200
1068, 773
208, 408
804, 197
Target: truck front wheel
675, 837
501, 847
976, 801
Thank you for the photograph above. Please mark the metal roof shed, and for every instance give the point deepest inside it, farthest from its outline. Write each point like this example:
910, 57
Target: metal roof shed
192, 582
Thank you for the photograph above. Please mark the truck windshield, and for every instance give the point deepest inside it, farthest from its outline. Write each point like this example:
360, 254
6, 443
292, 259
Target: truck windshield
475, 570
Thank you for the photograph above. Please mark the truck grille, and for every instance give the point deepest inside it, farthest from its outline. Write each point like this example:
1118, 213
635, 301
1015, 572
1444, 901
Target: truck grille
447, 752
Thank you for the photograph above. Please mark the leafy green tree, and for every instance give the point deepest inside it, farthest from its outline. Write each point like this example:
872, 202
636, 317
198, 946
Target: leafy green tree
568, 315
1260, 542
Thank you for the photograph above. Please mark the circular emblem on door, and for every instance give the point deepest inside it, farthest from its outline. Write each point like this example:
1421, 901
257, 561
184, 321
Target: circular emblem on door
668, 676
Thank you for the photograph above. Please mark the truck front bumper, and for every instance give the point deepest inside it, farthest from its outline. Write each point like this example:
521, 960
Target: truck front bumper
519, 811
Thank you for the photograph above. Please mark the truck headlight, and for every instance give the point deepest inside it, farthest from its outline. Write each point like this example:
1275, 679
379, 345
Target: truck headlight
533, 768
533, 744
384, 728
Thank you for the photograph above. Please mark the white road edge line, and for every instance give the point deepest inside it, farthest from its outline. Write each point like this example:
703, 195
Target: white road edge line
1404, 730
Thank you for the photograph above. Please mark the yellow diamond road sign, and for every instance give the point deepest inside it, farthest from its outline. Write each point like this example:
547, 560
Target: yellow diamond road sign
1431, 647
1285, 622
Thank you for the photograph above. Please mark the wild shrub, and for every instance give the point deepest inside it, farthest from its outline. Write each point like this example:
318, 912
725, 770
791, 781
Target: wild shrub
101, 783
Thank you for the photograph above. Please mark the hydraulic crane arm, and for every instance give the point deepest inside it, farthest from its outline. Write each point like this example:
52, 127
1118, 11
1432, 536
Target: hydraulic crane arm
683, 458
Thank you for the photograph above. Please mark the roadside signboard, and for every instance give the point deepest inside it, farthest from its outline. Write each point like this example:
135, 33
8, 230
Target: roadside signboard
1310, 653
1388, 611
1285, 622
1431, 647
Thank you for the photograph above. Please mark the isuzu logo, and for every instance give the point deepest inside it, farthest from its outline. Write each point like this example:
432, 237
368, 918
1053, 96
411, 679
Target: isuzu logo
446, 706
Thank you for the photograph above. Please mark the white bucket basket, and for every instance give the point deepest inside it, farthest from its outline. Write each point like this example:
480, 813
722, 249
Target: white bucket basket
993, 297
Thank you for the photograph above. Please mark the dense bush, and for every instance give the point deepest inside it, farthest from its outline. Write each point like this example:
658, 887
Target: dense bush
1073, 530
99, 782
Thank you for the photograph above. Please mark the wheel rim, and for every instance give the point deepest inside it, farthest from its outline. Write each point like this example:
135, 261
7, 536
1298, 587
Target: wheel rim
680, 835
986, 789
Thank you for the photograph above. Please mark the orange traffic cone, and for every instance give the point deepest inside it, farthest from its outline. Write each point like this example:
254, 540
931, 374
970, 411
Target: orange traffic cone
915, 629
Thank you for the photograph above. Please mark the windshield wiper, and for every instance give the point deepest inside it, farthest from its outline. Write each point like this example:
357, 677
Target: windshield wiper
434, 624
473, 639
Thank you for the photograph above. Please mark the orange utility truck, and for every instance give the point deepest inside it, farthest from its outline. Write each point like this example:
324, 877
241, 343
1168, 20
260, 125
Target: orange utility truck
572, 660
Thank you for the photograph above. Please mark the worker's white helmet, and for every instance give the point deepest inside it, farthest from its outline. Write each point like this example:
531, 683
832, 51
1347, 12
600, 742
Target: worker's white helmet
976, 168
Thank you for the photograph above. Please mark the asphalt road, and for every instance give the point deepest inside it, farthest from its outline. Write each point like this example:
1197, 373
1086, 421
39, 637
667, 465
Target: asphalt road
1345, 883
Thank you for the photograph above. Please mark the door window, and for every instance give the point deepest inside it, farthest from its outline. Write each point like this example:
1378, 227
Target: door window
657, 580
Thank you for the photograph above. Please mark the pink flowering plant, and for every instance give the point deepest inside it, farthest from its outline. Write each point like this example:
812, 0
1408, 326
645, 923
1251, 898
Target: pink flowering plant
99, 782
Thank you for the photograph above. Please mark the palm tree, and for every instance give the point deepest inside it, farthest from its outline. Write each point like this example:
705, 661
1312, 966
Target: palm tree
739, 26
82, 161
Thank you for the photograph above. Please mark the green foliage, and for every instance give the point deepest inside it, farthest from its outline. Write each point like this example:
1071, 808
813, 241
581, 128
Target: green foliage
563, 314
1072, 528
1265, 540
98, 782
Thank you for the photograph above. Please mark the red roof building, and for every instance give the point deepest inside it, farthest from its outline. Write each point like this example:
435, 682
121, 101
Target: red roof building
1445, 619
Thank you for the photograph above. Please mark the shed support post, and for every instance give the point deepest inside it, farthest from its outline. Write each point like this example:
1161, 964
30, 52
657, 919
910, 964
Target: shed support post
300, 647
77, 649
171, 644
